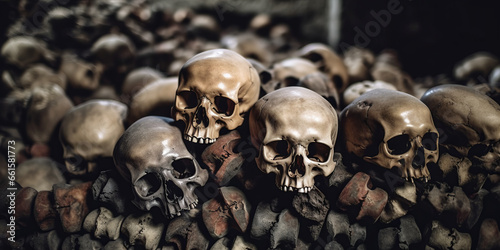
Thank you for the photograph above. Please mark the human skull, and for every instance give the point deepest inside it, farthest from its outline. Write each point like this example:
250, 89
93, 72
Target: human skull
216, 89
88, 134
152, 157
391, 129
115, 52
469, 120
328, 62
357, 89
23, 51
288, 73
81, 75
295, 130
358, 62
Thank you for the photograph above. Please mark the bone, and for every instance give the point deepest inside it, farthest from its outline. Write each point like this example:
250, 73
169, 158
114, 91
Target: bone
50, 240
264, 220
72, 204
76, 241
40, 173
338, 225
402, 237
25, 202
184, 232
355, 90
358, 191
231, 210
118, 244
103, 224
157, 98
41, 75
358, 62
136, 80
142, 230
442, 237
223, 159
111, 190
489, 235
477, 64
452, 205
23, 51
44, 212
312, 209
285, 233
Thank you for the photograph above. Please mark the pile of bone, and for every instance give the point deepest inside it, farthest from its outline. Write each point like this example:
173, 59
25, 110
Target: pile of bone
137, 126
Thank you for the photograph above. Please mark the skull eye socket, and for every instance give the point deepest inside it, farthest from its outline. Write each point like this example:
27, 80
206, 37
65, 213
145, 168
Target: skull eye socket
318, 152
187, 99
399, 144
479, 150
279, 150
224, 105
290, 81
183, 168
429, 141
148, 184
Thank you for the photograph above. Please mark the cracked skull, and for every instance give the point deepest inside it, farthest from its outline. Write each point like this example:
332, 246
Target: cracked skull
295, 130
152, 156
393, 130
216, 89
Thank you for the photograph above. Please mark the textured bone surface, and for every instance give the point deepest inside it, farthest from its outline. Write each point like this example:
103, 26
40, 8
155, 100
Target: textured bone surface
152, 157
294, 130
230, 210
401, 237
72, 204
143, 230
187, 232
103, 224
392, 130
25, 202
44, 212
442, 237
80, 75
88, 134
111, 190
358, 62
469, 121
339, 226
312, 209
216, 89
355, 90
288, 73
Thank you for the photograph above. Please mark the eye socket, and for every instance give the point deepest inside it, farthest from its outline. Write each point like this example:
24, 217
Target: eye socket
290, 81
187, 99
148, 184
479, 150
399, 144
278, 150
429, 141
265, 77
318, 152
224, 105
183, 168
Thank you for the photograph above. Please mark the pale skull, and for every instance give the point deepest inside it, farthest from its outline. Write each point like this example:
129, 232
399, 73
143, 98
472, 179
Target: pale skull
88, 135
23, 51
81, 75
294, 130
357, 89
216, 89
152, 156
116, 52
469, 121
393, 130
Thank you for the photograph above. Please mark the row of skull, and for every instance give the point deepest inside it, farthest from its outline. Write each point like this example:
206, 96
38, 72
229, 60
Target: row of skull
295, 132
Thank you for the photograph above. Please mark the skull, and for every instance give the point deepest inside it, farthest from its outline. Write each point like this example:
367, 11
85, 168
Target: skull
152, 157
391, 129
295, 130
80, 74
469, 120
355, 90
328, 62
216, 89
288, 73
88, 134
115, 52
358, 62
23, 51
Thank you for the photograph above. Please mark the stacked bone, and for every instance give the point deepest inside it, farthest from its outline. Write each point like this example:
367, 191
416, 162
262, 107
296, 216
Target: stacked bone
140, 126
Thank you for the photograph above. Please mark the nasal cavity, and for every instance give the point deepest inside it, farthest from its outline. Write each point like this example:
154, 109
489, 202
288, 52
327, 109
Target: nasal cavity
173, 192
298, 169
200, 117
419, 159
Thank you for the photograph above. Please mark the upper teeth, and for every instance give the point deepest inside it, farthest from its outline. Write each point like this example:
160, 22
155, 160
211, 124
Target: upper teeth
199, 140
300, 190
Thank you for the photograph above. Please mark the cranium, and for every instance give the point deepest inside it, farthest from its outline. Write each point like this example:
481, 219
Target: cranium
88, 134
38, 75
469, 121
152, 157
249, 46
295, 130
391, 129
358, 62
357, 89
23, 51
479, 64
115, 52
288, 73
216, 89
136, 80
328, 62
81, 75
